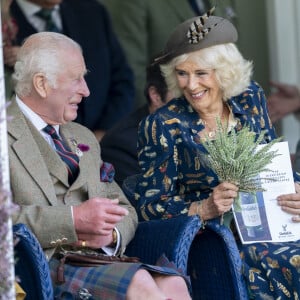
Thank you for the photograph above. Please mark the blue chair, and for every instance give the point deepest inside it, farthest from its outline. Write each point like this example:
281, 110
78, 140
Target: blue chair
210, 257
31, 265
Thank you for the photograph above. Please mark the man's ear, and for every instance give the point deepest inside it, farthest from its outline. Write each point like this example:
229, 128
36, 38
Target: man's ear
155, 99
154, 96
40, 84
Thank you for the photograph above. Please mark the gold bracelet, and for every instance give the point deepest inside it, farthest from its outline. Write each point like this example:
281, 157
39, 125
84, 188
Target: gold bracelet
199, 212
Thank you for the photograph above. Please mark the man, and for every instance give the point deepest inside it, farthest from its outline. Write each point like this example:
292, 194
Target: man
283, 101
56, 182
87, 22
118, 145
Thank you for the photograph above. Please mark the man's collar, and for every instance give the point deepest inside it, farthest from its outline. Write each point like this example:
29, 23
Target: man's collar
29, 8
33, 117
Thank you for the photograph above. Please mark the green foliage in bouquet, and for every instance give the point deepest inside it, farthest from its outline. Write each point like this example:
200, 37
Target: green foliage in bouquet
235, 156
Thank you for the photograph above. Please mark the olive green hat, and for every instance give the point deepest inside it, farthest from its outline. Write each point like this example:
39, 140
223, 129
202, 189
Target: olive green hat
198, 33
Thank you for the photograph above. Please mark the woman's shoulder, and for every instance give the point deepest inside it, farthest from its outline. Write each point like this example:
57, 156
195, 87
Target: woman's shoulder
250, 99
175, 108
252, 93
253, 88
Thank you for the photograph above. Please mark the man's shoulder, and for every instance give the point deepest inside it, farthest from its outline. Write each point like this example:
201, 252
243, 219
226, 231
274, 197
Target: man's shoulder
79, 134
176, 107
79, 130
78, 127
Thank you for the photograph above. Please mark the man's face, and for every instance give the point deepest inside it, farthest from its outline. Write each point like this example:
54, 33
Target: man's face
61, 104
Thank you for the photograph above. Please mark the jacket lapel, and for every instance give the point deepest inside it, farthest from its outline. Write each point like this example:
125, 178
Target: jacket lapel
42, 159
56, 167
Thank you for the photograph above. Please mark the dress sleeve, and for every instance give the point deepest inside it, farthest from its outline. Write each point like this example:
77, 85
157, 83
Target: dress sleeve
156, 192
260, 102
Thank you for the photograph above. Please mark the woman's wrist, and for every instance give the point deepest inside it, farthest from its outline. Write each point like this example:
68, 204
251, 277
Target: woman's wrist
198, 208
200, 213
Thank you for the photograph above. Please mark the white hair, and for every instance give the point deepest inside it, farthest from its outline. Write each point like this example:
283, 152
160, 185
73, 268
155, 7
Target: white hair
40, 53
233, 72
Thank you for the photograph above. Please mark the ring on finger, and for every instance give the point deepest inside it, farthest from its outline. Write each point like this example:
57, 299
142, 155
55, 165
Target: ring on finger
83, 244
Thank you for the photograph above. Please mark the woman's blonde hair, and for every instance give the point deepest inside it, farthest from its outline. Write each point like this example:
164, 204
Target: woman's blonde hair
233, 73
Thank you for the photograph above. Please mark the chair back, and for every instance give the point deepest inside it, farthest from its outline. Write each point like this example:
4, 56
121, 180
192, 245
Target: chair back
210, 257
31, 265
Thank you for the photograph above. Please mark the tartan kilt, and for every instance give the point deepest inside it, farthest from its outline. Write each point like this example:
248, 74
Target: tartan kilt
106, 282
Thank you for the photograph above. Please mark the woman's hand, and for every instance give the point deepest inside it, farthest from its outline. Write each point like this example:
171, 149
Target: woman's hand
219, 202
291, 203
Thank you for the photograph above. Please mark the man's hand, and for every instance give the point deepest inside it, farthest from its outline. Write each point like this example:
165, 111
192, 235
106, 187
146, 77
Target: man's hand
10, 55
95, 220
99, 134
284, 101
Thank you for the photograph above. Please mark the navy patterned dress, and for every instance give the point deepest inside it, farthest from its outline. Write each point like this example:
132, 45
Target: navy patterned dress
171, 157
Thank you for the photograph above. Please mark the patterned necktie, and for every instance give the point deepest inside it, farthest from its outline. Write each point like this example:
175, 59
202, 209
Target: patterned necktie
46, 15
70, 159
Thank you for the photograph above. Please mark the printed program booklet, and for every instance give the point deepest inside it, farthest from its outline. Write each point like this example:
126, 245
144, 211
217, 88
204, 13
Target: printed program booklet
258, 217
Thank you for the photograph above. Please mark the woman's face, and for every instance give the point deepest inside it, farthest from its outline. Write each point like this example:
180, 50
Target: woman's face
199, 86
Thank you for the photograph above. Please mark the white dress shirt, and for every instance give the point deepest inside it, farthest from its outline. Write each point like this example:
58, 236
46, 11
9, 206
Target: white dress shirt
30, 9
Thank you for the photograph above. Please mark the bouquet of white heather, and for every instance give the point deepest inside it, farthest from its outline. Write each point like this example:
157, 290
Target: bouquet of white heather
235, 156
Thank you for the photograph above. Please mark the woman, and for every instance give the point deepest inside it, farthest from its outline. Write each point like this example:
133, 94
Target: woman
210, 79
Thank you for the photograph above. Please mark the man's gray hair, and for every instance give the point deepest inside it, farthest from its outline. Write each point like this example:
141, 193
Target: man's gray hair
40, 53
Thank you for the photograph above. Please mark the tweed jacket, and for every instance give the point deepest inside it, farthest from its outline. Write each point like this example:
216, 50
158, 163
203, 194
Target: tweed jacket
39, 182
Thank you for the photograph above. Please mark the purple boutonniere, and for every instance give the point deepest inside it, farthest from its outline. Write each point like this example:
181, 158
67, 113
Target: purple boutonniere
80, 148
83, 147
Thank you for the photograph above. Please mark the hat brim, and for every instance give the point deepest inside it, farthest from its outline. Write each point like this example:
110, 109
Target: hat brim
219, 31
